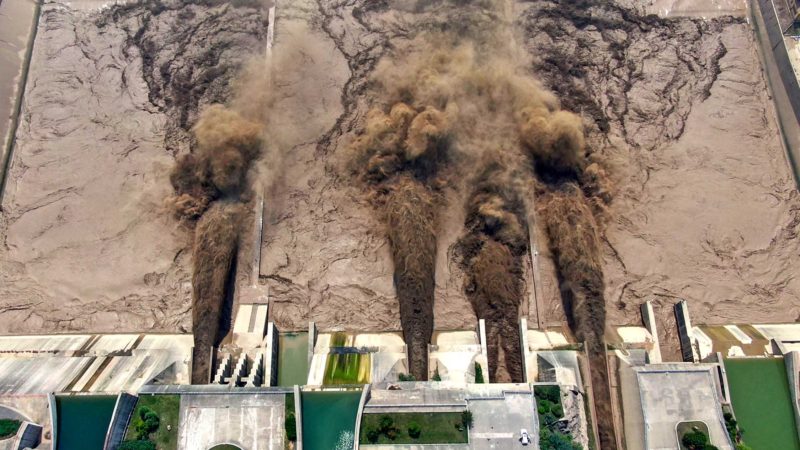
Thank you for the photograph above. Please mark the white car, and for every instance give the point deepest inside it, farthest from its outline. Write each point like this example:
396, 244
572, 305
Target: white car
525, 437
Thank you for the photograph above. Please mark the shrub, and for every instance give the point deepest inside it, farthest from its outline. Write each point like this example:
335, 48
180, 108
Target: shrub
466, 419
386, 424
373, 435
137, 445
557, 411
290, 425
9, 427
151, 421
549, 419
436, 376
549, 393
406, 377
414, 430
478, 373
695, 440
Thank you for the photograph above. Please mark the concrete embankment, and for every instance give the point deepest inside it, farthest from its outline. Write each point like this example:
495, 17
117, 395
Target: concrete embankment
18, 22
123, 411
780, 77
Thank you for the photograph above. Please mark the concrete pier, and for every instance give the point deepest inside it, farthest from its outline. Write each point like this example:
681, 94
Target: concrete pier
649, 319
685, 331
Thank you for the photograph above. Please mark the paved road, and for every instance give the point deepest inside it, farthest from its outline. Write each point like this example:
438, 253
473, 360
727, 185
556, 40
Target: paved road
497, 423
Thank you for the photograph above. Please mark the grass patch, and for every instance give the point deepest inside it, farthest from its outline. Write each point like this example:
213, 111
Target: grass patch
9, 427
347, 368
430, 428
167, 407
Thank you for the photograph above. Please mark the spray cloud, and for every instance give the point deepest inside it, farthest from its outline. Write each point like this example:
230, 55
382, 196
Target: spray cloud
511, 134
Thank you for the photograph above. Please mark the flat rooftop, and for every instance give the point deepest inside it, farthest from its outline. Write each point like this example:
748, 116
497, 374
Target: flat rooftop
253, 422
674, 393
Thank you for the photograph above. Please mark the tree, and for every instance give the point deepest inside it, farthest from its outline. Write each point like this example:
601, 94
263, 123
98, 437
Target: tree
9, 427
290, 424
478, 373
466, 419
373, 435
414, 430
151, 421
386, 424
695, 440
137, 445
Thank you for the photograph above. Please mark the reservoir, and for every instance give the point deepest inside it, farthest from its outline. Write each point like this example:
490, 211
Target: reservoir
329, 419
83, 421
762, 402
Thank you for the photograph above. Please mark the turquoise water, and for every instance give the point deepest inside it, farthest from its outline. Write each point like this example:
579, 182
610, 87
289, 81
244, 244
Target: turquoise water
83, 421
292, 359
329, 419
762, 403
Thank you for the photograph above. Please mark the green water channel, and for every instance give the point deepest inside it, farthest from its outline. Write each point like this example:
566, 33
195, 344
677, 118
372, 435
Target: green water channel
329, 419
762, 402
83, 421
292, 359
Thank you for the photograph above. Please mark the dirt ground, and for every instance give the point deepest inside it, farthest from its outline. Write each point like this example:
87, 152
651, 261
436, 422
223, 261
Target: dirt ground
705, 208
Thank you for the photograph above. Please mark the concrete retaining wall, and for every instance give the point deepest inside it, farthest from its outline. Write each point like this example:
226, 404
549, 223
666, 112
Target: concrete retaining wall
792, 362
723, 379
271, 343
364, 397
685, 331
482, 338
298, 416
523, 342
51, 403
123, 411
780, 78
312, 341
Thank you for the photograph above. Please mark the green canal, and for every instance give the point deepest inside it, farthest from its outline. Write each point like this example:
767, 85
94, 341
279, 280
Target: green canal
762, 402
292, 359
83, 421
329, 419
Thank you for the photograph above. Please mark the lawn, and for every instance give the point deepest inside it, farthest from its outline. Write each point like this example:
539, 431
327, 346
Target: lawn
347, 368
435, 428
168, 409
9, 427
